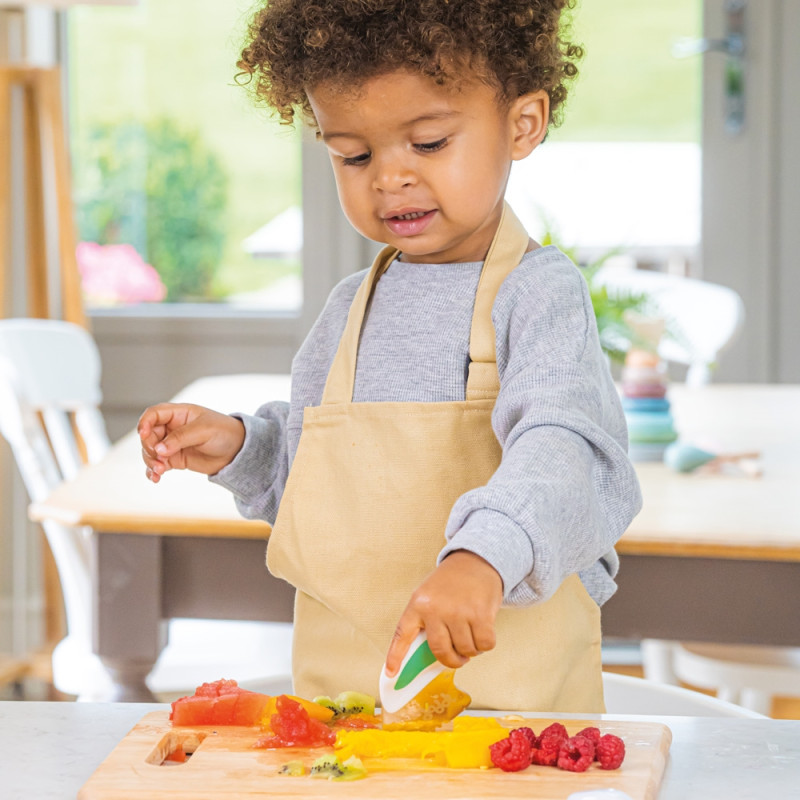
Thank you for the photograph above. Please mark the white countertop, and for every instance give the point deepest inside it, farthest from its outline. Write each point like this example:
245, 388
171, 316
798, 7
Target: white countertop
49, 750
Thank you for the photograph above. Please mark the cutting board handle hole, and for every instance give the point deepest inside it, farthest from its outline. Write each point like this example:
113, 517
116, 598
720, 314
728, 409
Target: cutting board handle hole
175, 748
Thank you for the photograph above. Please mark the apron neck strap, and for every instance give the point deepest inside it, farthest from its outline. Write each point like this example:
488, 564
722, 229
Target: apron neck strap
342, 374
506, 251
508, 246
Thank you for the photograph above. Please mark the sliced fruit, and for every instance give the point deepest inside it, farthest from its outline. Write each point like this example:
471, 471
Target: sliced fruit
355, 703
348, 703
351, 769
291, 726
216, 688
249, 708
457, 749
221, 702
470, 749
315, 710
293, 768
178, 755
327, 702
224, 702
357, 721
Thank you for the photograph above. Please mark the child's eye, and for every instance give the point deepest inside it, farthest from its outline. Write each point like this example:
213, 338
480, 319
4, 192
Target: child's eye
356, 161
431, 147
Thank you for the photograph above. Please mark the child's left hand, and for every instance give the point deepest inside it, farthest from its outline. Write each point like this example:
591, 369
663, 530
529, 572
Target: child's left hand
456, 605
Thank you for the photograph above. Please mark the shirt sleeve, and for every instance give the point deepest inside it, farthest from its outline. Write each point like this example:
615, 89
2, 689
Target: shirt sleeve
565, 490
257, 475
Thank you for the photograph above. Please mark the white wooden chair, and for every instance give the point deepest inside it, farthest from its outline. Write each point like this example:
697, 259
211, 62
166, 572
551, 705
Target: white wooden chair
705, 317
50, 387
749, 675
625, 694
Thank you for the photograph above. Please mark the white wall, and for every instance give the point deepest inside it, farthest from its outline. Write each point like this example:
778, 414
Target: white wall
751, 183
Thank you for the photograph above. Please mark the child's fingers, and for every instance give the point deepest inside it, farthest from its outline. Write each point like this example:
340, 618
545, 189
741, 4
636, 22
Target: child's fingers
160, 414
192, 434
154, 468
440, 641
150, 439
404, 634
462, 638
154, 424
484, 637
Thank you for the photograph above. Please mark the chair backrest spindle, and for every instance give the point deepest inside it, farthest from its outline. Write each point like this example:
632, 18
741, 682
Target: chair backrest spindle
50, 373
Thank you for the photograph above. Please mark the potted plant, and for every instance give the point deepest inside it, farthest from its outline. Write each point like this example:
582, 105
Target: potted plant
616, 334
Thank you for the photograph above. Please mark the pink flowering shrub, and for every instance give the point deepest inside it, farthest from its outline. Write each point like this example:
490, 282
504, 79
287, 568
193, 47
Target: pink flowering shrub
112, 274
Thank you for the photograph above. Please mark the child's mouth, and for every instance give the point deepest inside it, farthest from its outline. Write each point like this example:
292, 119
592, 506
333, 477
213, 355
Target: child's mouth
410, 223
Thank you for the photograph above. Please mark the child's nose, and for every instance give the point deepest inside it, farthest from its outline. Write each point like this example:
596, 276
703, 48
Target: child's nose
393, 174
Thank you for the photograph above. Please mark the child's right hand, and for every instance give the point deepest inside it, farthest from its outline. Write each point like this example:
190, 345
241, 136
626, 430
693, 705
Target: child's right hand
186, 436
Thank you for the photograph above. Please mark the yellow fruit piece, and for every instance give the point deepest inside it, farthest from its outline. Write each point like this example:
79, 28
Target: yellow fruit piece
315, 710
470, 749
439, 702
456, 749
375, 743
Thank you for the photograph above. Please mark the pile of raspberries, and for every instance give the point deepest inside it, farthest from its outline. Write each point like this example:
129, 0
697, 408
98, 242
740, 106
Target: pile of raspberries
554, 747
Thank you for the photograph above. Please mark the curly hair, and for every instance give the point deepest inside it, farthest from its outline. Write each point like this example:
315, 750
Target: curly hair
517, 46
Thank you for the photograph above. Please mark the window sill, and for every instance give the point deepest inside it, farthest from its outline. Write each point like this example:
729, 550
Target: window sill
198, 322
189, 311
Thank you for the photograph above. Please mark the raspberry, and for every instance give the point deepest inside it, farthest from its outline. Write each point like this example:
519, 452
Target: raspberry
545, 752
556, 729
527, 733
610, 751
576, 754
590, 733
512, 753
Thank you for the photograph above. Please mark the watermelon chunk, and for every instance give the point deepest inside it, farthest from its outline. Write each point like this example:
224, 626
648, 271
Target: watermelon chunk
222, 702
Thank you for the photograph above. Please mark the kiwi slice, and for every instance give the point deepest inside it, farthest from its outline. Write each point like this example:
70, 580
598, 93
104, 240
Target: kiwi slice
355, 703
347, 703
332, 768
293, 768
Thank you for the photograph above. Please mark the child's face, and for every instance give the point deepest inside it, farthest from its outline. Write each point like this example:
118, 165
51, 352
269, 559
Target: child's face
423, 167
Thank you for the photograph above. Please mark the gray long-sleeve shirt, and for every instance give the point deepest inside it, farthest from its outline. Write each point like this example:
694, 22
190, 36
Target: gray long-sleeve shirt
565, 490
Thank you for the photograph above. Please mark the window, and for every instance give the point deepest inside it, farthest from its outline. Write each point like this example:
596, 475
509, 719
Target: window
184, 191
623, 171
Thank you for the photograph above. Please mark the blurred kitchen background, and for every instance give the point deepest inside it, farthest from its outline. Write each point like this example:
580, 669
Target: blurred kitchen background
209, 235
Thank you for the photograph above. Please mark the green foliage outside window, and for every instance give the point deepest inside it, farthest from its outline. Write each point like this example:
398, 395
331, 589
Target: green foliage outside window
162, 190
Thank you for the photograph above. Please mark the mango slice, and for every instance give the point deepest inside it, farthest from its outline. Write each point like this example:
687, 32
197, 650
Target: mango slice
458, 749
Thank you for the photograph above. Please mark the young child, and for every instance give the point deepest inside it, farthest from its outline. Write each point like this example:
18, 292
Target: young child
453, 457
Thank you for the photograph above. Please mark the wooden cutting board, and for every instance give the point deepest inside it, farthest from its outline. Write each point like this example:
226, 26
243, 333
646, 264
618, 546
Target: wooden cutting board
225, 765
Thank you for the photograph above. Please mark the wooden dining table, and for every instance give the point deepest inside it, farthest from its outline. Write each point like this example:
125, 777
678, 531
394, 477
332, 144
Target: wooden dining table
713, 556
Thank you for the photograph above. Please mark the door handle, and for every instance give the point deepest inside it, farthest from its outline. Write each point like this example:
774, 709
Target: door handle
733, 47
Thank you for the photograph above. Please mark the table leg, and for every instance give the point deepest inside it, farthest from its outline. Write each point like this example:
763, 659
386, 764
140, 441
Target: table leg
129, 632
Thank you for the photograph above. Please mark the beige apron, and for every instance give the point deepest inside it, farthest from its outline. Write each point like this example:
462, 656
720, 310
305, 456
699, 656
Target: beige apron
362, 521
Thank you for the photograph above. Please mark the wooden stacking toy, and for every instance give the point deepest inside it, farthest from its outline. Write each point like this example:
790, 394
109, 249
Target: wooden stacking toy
645, 383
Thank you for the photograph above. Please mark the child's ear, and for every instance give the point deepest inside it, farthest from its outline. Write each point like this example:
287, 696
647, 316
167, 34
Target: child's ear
529, 117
